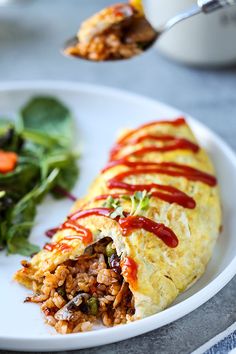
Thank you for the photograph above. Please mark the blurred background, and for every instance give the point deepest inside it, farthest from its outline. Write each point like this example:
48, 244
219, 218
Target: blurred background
31, 35
33, 31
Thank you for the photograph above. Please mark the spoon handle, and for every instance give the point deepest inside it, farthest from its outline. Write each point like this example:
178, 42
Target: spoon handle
208, 6
201, 6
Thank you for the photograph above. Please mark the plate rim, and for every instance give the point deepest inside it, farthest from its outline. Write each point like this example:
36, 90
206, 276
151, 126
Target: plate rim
152, 322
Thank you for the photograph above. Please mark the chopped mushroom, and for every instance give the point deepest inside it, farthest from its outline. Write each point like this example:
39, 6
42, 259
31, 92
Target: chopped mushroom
124, 288
66, 312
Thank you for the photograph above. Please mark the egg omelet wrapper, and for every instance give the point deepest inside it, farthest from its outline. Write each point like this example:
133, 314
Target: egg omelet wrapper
163, 272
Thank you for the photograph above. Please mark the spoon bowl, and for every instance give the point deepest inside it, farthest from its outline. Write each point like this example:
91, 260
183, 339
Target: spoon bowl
129, 36
122, 40
70, 43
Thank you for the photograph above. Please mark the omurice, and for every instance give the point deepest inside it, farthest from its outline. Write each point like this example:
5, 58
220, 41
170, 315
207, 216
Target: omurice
142, 235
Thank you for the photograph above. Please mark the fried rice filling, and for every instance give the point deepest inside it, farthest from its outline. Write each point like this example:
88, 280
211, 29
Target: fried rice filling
120, 41
106, 46
81, 292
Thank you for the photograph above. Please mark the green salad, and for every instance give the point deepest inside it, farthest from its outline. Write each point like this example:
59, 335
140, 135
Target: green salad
36, 158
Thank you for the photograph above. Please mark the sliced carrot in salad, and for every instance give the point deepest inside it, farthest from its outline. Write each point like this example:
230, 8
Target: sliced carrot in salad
8, 161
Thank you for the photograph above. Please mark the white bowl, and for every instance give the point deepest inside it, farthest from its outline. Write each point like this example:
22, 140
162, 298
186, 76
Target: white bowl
201, 40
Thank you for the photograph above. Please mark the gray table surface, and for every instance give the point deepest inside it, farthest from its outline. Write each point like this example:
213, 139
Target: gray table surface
29, 40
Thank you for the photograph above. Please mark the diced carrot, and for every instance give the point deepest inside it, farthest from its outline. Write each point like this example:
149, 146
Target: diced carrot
8, 161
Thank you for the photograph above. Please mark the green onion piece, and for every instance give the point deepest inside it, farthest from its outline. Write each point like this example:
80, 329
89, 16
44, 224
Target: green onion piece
93, 305
110, 250
61, 291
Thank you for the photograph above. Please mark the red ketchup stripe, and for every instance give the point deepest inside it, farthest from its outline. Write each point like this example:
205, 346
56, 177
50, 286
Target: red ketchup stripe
137, 140
123, 141
176, 144
114, 195
130, 223
168, 168
170, 194
166, 193
177, 197
137, 164
141, 138
79, 214
129, 270
164, 233
192, 175
84, 234
177, 122
58, 246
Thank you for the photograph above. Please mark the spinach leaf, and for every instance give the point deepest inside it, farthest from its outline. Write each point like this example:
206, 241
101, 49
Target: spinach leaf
34, 196
50, 117
18, 243
66, 178
41, 137
66, 162
20, 220
3, 232
18, 223
10, 140
21, 179
5, 125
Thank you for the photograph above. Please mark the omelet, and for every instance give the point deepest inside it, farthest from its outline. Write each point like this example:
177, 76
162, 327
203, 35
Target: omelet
142, 235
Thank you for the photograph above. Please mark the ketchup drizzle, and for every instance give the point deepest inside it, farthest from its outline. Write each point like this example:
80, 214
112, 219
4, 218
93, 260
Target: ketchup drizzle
177, 143
129, 223
79, 214
84, 234
170, 194
168, 168
56, 245
181, 172
129, 270
177, 122
166, 193
114, 195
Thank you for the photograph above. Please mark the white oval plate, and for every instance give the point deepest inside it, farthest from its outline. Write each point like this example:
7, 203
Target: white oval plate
100, 113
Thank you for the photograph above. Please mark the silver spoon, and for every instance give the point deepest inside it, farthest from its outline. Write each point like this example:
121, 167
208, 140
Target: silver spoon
134, 28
